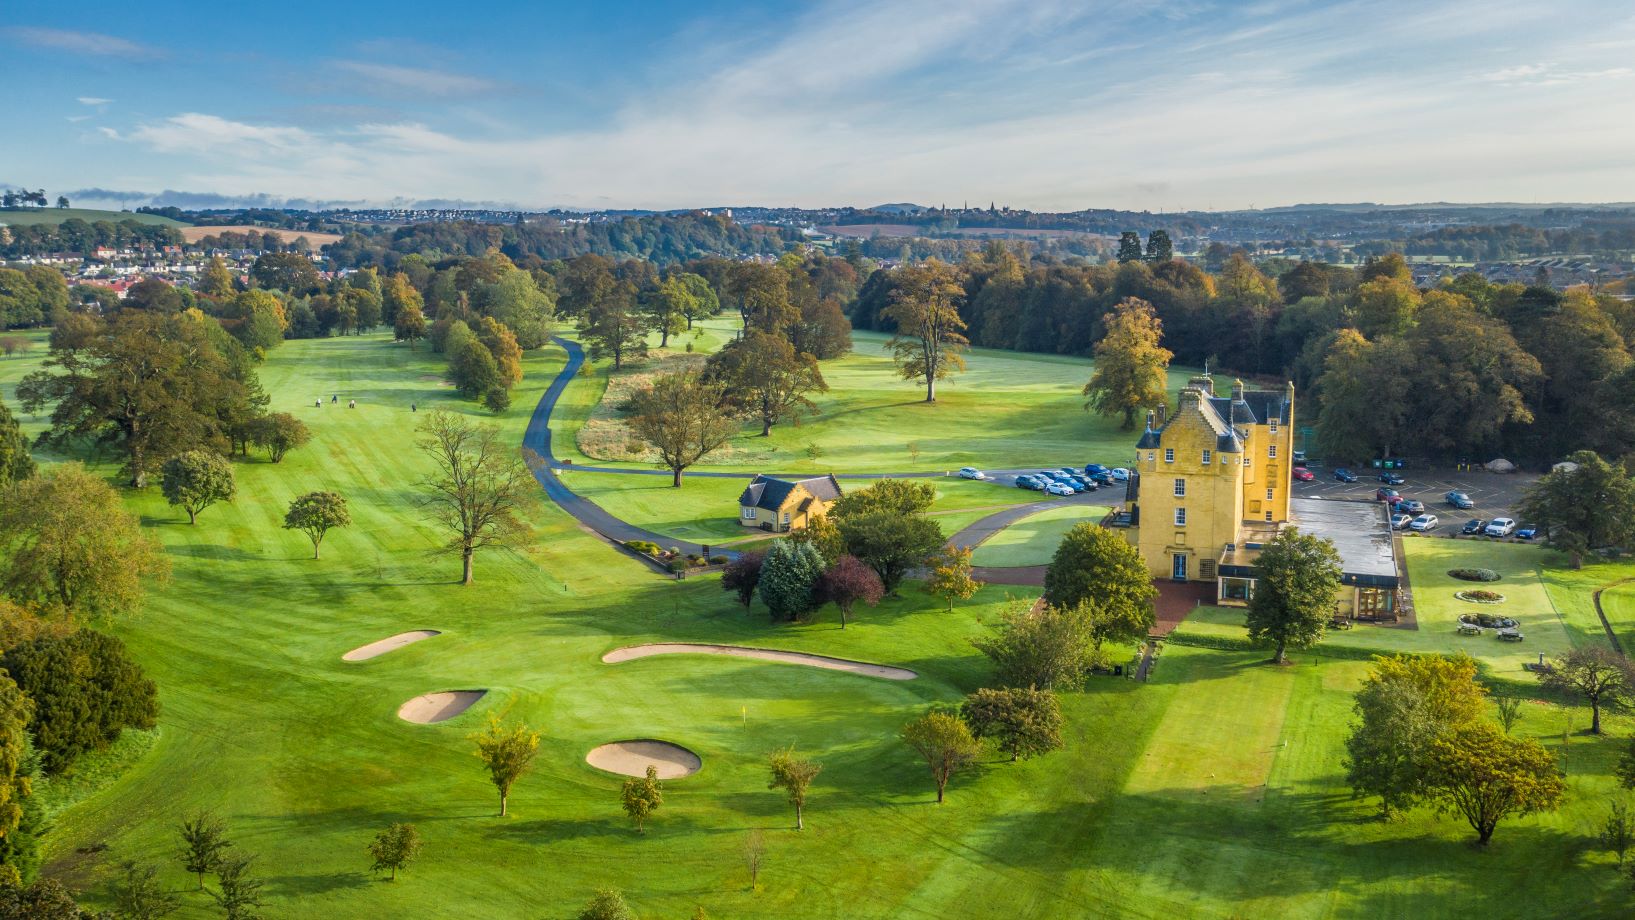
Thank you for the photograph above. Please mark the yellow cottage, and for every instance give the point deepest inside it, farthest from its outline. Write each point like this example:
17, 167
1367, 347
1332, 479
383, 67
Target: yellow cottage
781, 505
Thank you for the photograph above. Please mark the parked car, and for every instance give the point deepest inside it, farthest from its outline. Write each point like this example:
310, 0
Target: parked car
1424, 523
1386, 495
1119, 474
1410, 506
1390, 478
1474, 526
1026, 481
1499, 527
1459, 500
1102, 477
1303, 474
1094, 469
1527, 532
1399, 521
971, 472
1059, 488
1341, 474
1054, 478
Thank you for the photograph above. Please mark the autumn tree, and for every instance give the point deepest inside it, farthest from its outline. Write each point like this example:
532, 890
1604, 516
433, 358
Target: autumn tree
394, 848
1131, 365
478, 487
848, 582
763, 375
1364, 407
1093, 565
1406, 703
409, 325
1045, 646
951, 575
1297, 580
204, 842
742, 575
315, 514
612, 326
794, 776
508, 752
930, 334
215, 280
680, 416
502, 344
642, 796
197, 479
945, 743
1594, 673
1487, 776
1021, 721
1587, 506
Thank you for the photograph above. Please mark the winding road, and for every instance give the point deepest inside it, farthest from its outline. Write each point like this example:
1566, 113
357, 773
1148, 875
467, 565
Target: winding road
537, 439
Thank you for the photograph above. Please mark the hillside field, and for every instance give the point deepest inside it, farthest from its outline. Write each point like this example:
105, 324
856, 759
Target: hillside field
22, 216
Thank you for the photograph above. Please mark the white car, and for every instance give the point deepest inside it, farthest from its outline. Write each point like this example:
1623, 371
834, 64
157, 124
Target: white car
1500, 527
1119, 474
1423, 523
971, 472
1059, 488
1400, 521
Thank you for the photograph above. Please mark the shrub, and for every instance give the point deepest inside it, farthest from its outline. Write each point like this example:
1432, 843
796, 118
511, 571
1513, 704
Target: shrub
1478, 596
85, 691
646, 547
1474, 574
718, 560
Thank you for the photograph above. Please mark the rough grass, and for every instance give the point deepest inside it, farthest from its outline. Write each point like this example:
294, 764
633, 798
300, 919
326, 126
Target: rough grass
1033, 539
18, 217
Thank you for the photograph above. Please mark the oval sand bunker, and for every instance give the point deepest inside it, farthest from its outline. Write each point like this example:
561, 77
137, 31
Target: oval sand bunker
886, 672
438, 707
390, 643
631, 758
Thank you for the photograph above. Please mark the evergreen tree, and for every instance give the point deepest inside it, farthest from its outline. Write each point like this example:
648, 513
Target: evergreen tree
789, 578
1129, 246
1159, 247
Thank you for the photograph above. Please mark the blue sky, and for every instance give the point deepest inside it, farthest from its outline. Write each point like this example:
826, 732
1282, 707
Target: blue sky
1041, 104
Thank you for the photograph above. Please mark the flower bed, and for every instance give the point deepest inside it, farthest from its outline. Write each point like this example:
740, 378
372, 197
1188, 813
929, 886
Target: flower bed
1476, 596
1474, 574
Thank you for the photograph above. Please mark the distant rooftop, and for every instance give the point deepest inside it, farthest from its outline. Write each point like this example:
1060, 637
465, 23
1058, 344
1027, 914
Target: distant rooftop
1359, 530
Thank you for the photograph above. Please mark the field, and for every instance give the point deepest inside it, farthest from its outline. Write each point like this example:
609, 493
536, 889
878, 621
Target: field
18, 217
314, 239
866, 231
1033, 539
1216, 790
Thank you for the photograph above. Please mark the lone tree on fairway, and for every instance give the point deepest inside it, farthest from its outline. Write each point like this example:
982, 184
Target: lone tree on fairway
1048, 647
197, 479
279, 433
479, 484
930, 334
951, 575
1093, 564
754, 852
315, 513
1406, 703
642, 797
1600, 676
1130, 363
1486, 776
847, 582
680, 415
394, 848
137, 894
794, 776
1584, 508
1299, 576
741, 575
1021, 721
204, 842
945, 742
238, 892
1617, 831
608, 904
508, 752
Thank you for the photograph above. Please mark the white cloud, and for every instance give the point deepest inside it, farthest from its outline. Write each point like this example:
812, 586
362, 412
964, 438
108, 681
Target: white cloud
393, 80
92, 100
93, 43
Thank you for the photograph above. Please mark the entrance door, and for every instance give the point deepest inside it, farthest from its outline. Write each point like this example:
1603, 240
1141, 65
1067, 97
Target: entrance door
1178, 567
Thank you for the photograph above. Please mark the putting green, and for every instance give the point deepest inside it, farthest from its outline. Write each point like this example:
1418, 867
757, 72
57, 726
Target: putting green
1033, 539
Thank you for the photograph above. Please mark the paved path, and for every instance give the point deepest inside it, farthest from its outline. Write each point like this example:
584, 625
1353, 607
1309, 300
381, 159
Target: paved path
977, 532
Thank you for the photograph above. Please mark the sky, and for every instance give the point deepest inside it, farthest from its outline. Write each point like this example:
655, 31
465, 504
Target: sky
1042, 104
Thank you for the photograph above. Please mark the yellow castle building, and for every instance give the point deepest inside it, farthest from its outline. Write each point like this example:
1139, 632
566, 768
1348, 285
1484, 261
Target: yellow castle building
1212, 483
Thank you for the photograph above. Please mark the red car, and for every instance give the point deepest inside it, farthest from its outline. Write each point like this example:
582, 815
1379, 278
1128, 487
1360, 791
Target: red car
1303, 474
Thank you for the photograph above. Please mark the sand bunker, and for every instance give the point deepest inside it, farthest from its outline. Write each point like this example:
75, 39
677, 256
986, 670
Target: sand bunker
438, 707
763, 654
375, 649
631, 758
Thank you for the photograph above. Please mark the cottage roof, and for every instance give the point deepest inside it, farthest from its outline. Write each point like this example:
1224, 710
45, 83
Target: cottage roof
770, 492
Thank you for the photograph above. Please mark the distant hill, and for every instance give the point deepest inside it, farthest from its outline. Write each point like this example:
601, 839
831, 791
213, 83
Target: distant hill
18, 217
899, 208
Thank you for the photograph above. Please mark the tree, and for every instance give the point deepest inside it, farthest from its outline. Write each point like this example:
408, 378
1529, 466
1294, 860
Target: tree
763, 374
69, 544
204, 843
1159, 247
62, 201
642, 796
1047, 647
1480, 773
197, 479
1404, 704
612, 326
256, 319
394, 848
703, 300
478, 486
237, 891
1022, 721
1096, 566
754, 852
502, 344
668, 306
45, 899
608, 904
471, 366
215, 280
846, 582
410, 325
680, 415
508, 752
1365, 404
890, 544
290, 272
945, 742
517, 301
137, 894
794, 776
279, 433
789, 579
930, 333
1129, 246
86, 691
1131, 365
1297, 579
15, 461
497, 400
1509, 711
1617, 831
741, 576
1586, 507
951, 575
315, 513
896, 496
1597, 674
16, 783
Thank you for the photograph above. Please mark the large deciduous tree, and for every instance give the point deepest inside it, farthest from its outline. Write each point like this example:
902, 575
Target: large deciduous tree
945, 743
1297, 580
1021, 721
479, 484
16, 787
1585, 507
848, 582
890, 544
1097, 566
1130, 363
1487, 776
1406, 703
197, 479
680, 415
1595, 674
1048, 647
762, 374
930, 334
612, 325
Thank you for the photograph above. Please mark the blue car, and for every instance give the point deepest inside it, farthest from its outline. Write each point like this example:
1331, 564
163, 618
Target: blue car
1527, 532
1095, 469
1029, 482
1341, 474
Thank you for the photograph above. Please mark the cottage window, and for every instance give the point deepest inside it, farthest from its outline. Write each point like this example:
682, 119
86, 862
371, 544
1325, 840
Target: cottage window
1206, 458
1169, 455
1180, 488
749, 513
786, 519
1180, 517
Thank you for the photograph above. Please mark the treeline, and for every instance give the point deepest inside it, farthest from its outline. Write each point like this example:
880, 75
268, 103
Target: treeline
1515, 241
81, 237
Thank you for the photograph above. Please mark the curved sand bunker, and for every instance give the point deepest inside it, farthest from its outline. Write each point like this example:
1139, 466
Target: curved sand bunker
438, 707
390, 643
631, 758
763, 654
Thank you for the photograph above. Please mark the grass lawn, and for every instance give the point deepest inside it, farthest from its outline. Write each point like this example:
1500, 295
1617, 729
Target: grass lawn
1033, 539
19, 217
1214, 791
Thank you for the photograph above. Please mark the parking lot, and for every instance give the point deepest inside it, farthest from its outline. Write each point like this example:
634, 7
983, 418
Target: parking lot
1495, 494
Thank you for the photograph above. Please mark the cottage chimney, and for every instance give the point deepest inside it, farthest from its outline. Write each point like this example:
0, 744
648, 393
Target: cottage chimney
1163, 413
1191, 397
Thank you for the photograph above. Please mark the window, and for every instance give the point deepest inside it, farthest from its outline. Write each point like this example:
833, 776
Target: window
749, 513
1181, 517
1268, 516
1245, 461
1268, 494
1274, 426
1271, 451
786, 519
1180, 488
1151, 456
1206, 458
1169, 455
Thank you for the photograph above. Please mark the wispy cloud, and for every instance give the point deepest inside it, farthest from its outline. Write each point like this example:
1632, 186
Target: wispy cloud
394, 80
92, 100
93, 43
1552, 75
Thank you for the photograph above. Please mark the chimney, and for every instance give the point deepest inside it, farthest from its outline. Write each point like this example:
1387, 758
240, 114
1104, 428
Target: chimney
1149, 420
1163, 413
1237, 389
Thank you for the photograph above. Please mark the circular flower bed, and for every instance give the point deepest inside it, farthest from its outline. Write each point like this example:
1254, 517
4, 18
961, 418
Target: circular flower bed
1480, 597
1474, 574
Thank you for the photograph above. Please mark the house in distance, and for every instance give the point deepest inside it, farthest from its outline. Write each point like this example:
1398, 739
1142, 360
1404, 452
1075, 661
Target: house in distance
782, 505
